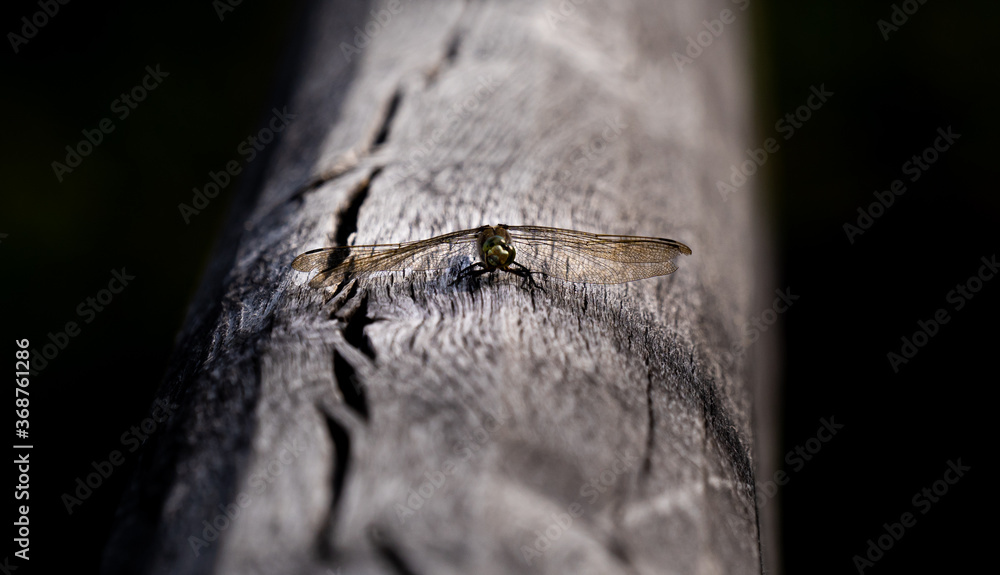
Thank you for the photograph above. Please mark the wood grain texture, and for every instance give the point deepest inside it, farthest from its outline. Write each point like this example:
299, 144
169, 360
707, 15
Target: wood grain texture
409, 426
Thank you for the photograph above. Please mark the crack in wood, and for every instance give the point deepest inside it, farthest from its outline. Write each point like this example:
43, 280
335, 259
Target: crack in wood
342, 444
349, 385
354, 330
341, 439
352, 158
347, 218
354, 315
390, 114
452, 47
452, 53
718, 420
647, 457
392, 556
716, 417
619, 551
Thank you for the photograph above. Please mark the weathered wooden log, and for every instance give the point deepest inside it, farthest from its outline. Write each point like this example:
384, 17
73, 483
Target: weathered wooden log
406, 425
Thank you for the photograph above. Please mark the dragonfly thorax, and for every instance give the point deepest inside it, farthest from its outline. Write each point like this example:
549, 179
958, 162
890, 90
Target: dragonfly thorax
495, 247
497, 253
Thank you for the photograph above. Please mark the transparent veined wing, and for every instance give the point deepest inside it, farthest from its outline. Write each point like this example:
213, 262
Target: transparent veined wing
593, 258
335, 264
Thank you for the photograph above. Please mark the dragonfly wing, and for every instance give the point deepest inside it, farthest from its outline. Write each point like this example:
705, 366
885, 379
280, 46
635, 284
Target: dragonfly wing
594, 258
338, 263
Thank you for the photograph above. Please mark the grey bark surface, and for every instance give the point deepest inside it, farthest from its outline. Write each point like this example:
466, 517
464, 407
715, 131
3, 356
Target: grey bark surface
408, 426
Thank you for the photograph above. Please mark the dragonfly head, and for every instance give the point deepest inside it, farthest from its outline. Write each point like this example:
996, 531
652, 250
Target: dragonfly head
497, 253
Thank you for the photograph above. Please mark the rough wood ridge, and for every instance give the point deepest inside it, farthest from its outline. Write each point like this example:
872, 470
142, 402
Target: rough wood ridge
406, 426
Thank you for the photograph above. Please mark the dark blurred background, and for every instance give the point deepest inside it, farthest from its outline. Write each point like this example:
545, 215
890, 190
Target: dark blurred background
118, 208
857, 300
60, 241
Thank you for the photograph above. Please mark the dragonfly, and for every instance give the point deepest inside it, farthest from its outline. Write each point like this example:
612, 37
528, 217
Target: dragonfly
524, 251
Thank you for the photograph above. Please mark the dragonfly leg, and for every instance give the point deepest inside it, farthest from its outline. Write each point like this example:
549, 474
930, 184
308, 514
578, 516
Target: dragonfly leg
475, 270
526, 274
